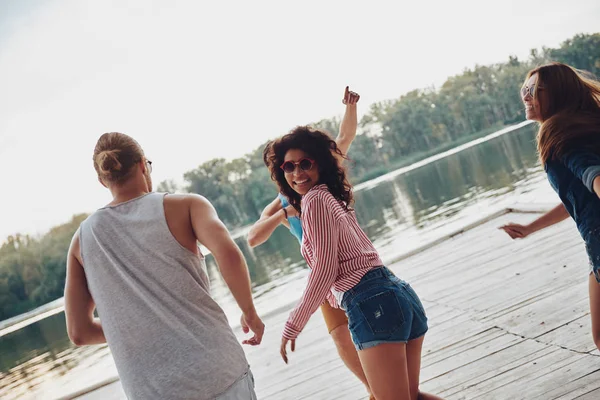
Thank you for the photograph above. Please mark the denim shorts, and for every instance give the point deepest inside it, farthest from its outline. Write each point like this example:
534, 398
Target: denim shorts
592, 246
382, 308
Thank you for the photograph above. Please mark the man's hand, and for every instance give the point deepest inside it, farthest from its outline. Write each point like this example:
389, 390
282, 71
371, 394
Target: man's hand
252, 322
350, 97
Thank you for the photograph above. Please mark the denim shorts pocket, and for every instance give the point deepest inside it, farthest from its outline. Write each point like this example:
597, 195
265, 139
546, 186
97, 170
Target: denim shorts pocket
382, 312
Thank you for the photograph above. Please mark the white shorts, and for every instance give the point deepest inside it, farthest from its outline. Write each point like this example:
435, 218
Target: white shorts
242, 389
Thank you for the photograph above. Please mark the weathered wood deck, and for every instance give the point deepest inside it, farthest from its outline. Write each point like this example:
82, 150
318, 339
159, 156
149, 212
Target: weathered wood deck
508, 320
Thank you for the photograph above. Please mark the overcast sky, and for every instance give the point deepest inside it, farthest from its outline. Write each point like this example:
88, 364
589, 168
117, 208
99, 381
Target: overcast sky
195, 80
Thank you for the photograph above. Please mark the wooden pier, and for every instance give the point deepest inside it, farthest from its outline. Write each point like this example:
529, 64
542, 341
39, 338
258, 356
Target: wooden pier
508, 320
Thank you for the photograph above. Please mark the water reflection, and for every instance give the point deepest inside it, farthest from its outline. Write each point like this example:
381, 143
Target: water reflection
396, 214
455, 182
39, 353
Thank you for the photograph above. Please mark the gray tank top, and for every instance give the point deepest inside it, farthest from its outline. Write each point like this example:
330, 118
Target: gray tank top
168, 337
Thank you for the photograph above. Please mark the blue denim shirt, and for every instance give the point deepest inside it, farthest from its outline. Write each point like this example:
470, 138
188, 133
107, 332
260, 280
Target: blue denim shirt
572, 177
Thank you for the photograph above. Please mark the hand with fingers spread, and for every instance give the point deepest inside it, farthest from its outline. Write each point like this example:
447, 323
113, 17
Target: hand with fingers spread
516, 231
252, 322
283, 350
350, 98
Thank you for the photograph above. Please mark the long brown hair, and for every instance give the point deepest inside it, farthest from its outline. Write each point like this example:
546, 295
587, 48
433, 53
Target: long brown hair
320, 147
570, 113
115, 155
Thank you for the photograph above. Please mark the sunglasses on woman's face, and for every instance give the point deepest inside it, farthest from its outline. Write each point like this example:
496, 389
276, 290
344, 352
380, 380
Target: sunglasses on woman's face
305, 164
531, 90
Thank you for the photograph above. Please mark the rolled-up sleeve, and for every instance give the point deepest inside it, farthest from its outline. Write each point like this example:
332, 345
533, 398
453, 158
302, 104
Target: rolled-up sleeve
585, 165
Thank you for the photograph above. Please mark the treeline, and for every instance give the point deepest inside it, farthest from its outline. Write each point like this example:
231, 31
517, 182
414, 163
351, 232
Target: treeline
396, 132
392, 133
32, 271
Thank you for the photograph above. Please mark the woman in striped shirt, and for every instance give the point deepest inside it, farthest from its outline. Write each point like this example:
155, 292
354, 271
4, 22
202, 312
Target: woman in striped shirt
386, 319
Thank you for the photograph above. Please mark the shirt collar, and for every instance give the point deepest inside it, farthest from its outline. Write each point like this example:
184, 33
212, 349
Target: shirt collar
321, 186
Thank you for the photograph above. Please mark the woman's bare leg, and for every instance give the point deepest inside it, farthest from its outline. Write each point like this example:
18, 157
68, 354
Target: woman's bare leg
386, 370
413, 360
595, 308
347, 351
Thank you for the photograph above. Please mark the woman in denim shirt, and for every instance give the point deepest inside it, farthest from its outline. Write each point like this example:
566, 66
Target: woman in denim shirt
566, 103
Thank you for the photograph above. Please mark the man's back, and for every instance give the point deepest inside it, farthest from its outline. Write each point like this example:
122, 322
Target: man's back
169, 338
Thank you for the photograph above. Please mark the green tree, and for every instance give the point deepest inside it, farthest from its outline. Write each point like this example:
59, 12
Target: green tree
581, 51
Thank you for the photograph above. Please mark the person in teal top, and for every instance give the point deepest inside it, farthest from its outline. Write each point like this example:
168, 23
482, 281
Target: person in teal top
294, 221
279, 211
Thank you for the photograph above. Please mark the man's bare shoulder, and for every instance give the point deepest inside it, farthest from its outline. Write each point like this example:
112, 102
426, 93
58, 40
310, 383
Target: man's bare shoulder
186, 198
190, 202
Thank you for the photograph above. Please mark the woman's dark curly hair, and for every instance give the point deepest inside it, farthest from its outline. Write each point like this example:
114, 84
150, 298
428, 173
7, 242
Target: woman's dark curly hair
318, 146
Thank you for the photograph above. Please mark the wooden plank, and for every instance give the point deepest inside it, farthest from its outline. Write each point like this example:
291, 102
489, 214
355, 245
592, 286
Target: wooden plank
461, 346
546, 314
516, 383
557, 379
113, 391
576, 388
575, 335
457, 357
591, 395
497, 364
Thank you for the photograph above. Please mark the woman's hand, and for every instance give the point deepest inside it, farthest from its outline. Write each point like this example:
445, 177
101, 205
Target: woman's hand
350, 97
517, 231
283, 350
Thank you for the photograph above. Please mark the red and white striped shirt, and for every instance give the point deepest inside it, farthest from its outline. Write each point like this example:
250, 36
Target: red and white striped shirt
336, 249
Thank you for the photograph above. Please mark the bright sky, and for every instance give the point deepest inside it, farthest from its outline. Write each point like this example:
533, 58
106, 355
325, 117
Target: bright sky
195, 80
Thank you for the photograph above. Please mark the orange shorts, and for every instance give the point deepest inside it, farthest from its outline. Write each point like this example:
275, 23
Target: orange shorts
334, 317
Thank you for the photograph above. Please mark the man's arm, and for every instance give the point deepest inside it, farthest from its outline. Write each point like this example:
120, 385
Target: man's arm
212, 233
82, 327
270, 219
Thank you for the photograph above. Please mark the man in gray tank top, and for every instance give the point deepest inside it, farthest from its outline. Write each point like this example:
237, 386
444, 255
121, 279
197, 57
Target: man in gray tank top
136, 261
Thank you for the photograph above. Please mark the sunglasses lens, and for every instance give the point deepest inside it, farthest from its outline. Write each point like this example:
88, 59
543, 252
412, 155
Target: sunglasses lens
288, 167
305, 164
525, 90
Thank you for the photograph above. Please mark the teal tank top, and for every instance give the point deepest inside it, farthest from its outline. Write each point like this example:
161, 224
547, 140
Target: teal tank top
295, 223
